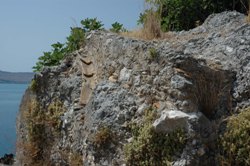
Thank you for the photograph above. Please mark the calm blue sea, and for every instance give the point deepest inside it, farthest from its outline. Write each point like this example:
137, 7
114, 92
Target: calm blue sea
10, 98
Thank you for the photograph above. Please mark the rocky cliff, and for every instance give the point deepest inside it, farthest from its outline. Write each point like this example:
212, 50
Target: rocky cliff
123, 101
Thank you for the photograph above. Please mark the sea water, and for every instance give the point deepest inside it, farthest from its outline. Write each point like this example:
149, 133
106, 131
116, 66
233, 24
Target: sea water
10, 98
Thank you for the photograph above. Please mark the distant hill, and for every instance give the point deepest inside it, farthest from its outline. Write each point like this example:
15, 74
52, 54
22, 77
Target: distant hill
15, 78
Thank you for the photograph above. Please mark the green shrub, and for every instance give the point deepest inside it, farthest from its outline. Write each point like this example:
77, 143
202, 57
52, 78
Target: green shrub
33, 85
117, 27
51, 58
76, 40
184, 14
235, 142
90, 24
153, 53
151, 148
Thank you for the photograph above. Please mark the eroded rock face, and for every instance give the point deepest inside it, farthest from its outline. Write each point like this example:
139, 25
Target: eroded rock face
198, 78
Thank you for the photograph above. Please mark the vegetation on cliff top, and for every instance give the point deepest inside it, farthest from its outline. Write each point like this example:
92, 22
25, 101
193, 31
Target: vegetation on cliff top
74, 42
160, 16
186, 14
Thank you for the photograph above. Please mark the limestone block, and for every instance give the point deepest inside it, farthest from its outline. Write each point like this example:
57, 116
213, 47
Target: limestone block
88, 70
172, 120
86, 93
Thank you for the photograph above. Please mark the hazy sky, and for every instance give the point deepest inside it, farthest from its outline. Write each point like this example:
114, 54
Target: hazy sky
29, 27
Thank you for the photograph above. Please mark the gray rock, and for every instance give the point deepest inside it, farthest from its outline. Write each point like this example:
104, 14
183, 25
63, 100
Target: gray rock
179, 82
198, 78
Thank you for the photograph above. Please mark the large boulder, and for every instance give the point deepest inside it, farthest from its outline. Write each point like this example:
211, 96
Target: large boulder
197, 79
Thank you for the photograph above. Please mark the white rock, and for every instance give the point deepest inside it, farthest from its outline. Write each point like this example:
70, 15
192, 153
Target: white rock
229, 49
125, 74
142, 109
172, 120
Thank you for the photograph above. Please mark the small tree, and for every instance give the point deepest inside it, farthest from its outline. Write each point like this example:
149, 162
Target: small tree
117, 27
74, 42
90, 24
51, 58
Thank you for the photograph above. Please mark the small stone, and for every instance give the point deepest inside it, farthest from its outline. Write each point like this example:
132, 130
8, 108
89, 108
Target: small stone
179, 82
194, 142
201, 151
126, 86
229, 49
105, 162
77, 108
137, 80
112, 79
120, 119
130, 139
125, 74
142, 109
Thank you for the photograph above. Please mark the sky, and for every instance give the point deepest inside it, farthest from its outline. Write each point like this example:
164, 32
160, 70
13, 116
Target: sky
29, 27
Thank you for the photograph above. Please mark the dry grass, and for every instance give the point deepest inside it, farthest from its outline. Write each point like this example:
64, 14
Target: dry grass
68, 157
103, 137
42, 126
248, 13
151, 28
248, 16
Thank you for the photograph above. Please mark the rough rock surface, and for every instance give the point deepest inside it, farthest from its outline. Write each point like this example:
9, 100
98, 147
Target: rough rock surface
201, 75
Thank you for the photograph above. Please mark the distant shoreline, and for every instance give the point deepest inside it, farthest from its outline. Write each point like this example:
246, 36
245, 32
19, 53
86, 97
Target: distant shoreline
15, 77
14, 82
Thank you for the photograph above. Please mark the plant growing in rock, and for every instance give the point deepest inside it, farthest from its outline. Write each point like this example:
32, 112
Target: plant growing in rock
103, 137
117, 27
90, 24
69, 157
34, 119
76, 159
53, 115
153, 53
151, 148
75, 40
234, 144
43, 125
33, 85
52, 57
